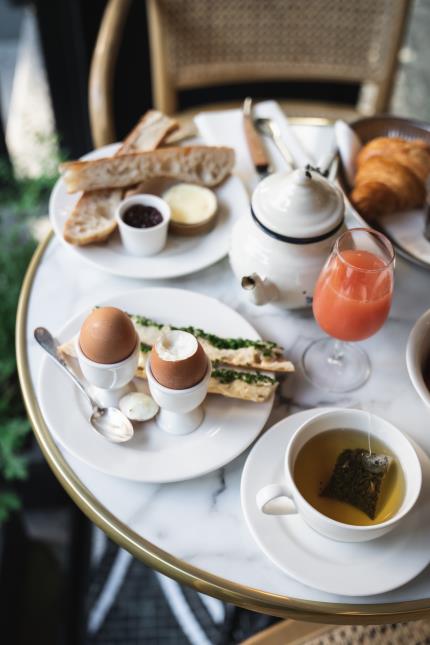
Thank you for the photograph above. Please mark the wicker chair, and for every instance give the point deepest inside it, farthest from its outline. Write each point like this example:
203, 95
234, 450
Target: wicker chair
198, 43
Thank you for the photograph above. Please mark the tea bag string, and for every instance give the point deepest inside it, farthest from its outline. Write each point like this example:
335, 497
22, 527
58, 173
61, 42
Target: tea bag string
369, 432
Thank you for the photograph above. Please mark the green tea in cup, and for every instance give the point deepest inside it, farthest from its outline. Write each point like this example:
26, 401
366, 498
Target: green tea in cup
350, 477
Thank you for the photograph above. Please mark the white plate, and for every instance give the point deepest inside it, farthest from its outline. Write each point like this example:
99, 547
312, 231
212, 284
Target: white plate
360, 569
405, 230
229, 426
180, 256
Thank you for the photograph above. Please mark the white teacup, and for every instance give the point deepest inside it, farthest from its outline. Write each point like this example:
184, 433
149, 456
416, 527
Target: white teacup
285, 498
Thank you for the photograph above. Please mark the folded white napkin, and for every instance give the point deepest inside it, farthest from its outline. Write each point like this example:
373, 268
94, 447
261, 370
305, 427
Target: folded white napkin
349, 145
226, 128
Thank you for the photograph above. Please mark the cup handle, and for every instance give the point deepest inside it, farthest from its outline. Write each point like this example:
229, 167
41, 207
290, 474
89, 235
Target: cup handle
275, 499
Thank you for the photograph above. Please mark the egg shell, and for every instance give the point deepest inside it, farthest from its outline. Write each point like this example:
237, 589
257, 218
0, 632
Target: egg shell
107, 336
181, 374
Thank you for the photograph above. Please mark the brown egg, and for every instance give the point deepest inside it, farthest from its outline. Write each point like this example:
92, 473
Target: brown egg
107, 336
178, 361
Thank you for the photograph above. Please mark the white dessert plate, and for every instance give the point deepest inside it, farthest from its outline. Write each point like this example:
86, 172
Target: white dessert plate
229, 425
180, 256
360, 569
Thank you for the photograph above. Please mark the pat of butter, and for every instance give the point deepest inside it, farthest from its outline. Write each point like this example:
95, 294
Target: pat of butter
176, 345
190, 204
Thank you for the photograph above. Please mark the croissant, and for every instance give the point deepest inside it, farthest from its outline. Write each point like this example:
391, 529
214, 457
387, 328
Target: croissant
391, 176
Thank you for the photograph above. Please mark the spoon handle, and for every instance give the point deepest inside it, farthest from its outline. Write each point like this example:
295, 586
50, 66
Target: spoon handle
50, 345
282, 147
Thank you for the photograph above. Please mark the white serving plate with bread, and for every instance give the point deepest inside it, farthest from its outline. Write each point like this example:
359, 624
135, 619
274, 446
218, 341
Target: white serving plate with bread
229, 427
181, 255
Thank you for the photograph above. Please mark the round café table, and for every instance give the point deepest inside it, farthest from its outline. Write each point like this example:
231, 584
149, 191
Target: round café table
194, 531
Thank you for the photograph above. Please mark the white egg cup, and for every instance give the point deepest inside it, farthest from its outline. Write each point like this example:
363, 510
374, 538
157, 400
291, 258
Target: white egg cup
109, 381
144, 241
181, 411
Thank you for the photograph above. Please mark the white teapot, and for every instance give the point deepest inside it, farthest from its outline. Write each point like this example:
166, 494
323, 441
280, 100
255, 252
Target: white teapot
279, 249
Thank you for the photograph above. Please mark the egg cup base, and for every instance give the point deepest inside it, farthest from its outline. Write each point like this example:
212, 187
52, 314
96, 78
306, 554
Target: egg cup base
110, 398
180, 423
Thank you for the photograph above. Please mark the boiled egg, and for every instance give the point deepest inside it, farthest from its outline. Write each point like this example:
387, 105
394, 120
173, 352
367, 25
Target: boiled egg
107, 336
178, 361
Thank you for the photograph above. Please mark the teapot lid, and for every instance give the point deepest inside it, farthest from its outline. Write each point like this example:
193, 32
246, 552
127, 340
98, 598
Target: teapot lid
299, 205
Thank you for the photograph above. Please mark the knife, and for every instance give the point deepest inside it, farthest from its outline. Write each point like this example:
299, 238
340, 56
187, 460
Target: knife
427, 212
255, 145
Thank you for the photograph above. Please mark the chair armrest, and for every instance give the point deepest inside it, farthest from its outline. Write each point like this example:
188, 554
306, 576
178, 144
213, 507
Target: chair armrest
102, 72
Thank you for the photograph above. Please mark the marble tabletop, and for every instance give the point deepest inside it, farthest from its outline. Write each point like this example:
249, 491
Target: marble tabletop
200, 521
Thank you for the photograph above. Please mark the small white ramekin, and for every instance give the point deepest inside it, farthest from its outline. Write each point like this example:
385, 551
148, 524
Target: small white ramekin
143, 241
110, 376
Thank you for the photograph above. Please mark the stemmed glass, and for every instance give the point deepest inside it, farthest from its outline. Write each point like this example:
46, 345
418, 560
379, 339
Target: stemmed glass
351, 302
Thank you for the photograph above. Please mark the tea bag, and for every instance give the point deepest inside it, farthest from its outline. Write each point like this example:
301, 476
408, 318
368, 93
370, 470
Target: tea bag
357, 479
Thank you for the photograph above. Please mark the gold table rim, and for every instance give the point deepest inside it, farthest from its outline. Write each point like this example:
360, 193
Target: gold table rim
201, 580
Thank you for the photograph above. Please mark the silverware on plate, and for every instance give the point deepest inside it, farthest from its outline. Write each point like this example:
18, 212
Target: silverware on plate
255, 145
269, 128
109, 422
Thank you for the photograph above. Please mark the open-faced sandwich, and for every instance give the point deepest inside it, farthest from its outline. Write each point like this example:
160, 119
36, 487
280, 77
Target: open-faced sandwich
240, 365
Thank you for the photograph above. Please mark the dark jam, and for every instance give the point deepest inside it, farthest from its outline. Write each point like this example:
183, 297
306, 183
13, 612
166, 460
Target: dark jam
140, 216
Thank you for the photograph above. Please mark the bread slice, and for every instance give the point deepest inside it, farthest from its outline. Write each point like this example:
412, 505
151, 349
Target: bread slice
204, 165
236, 352
92, 219
236, 384
257, 387
148, 134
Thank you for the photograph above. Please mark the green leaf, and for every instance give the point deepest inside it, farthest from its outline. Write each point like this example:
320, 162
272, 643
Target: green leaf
21, 198
9, 502
12, 434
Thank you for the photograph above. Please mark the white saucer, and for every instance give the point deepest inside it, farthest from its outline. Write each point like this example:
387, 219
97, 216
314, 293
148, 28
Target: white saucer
363, 569
229, 426
180, 256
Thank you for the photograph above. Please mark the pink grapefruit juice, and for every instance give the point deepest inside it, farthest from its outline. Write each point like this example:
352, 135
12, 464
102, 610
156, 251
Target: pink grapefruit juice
353, 294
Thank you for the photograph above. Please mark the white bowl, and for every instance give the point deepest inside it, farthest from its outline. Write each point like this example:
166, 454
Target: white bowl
144, 241
417, 352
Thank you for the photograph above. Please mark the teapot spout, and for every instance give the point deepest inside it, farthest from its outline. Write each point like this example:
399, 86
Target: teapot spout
259, 290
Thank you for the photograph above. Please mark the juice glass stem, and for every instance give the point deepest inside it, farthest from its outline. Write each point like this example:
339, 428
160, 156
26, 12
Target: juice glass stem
336, 366
337, 353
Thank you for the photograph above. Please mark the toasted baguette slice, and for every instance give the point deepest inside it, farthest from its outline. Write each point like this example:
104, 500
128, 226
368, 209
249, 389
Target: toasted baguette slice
238, 389
236, 384
148, 134
257, 355
204, 165
92, 219
237, 352
186, 130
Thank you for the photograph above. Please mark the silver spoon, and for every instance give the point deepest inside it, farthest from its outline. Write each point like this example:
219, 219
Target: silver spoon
271, 129
110, 422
